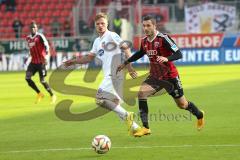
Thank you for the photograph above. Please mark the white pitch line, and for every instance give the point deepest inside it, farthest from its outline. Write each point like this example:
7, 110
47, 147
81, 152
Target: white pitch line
120, 147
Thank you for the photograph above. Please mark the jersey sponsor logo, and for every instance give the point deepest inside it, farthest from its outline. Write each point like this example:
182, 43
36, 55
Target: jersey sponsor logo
31, 44
151, 53
101, 52
110, 46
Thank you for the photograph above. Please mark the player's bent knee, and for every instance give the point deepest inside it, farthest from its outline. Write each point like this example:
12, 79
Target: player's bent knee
141, 95
99, 102
116, 101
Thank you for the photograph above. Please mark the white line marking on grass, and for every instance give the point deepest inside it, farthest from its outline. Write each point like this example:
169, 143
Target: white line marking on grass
120, 147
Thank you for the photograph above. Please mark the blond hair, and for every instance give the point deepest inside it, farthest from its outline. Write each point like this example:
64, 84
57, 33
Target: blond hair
101, 15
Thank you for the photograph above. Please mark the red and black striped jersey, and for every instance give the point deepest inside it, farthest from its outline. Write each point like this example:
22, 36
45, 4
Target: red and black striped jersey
160, 45
38, 47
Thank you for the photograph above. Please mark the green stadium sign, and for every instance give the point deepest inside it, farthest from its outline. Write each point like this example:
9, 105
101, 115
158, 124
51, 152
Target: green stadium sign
16, 46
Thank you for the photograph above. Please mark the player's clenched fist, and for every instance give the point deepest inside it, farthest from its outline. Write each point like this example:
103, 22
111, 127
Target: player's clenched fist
161, 59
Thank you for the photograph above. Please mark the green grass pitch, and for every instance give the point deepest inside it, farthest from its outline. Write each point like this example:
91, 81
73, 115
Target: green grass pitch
31, 131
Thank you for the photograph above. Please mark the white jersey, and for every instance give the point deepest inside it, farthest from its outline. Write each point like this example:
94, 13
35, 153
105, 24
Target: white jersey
106, 48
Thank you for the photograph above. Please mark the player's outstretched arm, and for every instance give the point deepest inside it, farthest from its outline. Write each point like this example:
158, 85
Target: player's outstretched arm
133, 58
82, 60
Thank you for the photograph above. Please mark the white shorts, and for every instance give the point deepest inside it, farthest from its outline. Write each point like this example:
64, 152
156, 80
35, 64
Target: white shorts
110, 89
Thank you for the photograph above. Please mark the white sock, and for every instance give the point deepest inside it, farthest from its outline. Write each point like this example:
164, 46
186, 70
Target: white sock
122, 113
134, 126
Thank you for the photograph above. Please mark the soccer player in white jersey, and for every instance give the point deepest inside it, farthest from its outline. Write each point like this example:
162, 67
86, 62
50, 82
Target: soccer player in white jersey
109, 92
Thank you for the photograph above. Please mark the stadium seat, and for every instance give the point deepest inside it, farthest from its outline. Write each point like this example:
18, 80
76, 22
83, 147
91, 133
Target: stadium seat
51, 6
62, 19
35, 7
56, 13
38, 20
26, 30
43, 7
2, 8
20, 8
8, 14
46, 21
55, 1
2, 30
9, 35
4, 22
27, 7
48, 34
31, 1
27, 22
68, 6
19, 2
48, 1
65, 13
42, 11
9, 23
39, 1
40, 14
48, 13
16, 14
22, 1
60, 6
72, 1
2, 14
31, 14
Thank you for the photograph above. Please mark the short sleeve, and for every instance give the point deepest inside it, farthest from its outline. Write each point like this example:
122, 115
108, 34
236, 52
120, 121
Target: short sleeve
45, 42
116, 38
94, 47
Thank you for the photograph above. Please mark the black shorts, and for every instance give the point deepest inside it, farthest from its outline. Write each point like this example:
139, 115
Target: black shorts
172, 86
33, 68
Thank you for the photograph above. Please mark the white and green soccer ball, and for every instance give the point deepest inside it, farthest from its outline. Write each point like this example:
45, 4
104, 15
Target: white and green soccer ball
101, 144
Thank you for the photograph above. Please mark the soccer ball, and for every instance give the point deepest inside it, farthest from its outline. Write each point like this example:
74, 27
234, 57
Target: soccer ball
101, 144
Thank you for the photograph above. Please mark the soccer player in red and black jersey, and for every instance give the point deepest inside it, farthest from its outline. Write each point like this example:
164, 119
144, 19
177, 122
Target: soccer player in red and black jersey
161, 51
39, 49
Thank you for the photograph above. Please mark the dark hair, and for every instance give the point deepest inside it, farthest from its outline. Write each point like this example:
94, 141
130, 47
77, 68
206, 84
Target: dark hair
151, 18
33, 23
